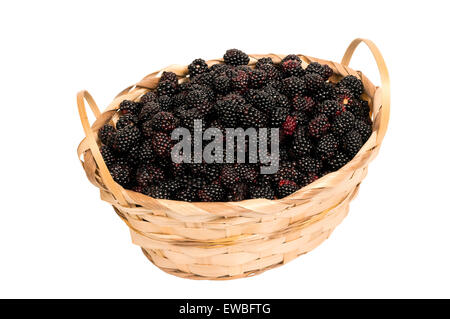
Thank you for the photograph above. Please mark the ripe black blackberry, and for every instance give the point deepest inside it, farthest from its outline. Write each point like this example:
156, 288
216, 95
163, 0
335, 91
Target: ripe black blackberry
161, 144
337, 161
278, 116
302, 118
313, 82
204, 79
158, 192
247, 172
149, 174
262, 192
249, 116
292, 68
211, 193
164, 121
127, 106
352, 143
237, 193
301, 143
323, 70
308, 164
292, 86
273, 75
235, 57
326, 92
343, 123
286, 188
172, 186
105, 133
145, 153
168, 88
222, 84
330, 108
318, 126
148, 111
257, 78
169, 76
239, 80
198, 66
353, 84
126, 138
125, 120
229, 176
287, 171
364, 129
188, 194
108, 155
121, 173
263, 61
303, 103
261, 100
291, 57
150, 96
327, 146
165, 102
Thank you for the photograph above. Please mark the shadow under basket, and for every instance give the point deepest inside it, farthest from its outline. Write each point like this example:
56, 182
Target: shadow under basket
228, 240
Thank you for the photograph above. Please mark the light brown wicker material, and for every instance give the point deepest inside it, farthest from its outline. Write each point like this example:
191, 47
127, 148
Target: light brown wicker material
235, 239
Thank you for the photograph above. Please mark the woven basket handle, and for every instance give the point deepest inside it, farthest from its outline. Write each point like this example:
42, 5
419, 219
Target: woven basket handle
385, 82
90, 136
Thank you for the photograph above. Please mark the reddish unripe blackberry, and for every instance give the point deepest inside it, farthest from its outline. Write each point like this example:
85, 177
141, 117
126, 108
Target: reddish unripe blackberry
108, 155
292, 86
308, 164
343, 123
198, 66
257, 78
121, 173
318, 126
289, 125
303, 103
150, 96
229, 176
105, 133
286, 188
301, 143
327, 146
211, 193
330, 108
353, 84
126, 138
337, 161
292, 67
352, 143
125, 120
313, 82
161, 144
149, 174
262, 192
166, 88
164, 121
127, 106
235, 57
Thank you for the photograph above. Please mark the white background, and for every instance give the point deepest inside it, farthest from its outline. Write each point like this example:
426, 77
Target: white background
58, 239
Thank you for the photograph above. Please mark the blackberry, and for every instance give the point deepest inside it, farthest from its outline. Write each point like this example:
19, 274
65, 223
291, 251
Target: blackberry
149, 174
203, 79
164, 121
344, 97
303, 103
222, 84
292, 86
278, 116
273, 75
172, 186
165, 102
343, 123
211, 172
251, 117
291, 57
261, 100
166, 88
237, 193
323, 70
301, 118
126, 138
198, 66
318, 126
229, 176
263, 61
364, 129
352, 143
326, 92
147, 129
287, 171
239, 80
169, 76
161, 144
286, 188
211, 193
158, 192
108, 155
257, 78
247, 172
121, 174
148, 111
188, 195
125, 120
337, 161
327, 146
353, 84
301, 144
236, 57
262, 192
105, 133
127, 106
307, 179
289, 125
313, 82
330, 108
150, 96
292, 68
308, 164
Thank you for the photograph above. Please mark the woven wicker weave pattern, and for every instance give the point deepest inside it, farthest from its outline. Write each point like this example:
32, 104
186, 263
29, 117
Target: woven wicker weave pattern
235, 239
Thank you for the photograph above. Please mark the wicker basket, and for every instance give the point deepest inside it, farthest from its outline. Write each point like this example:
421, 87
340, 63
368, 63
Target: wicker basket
229, 240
